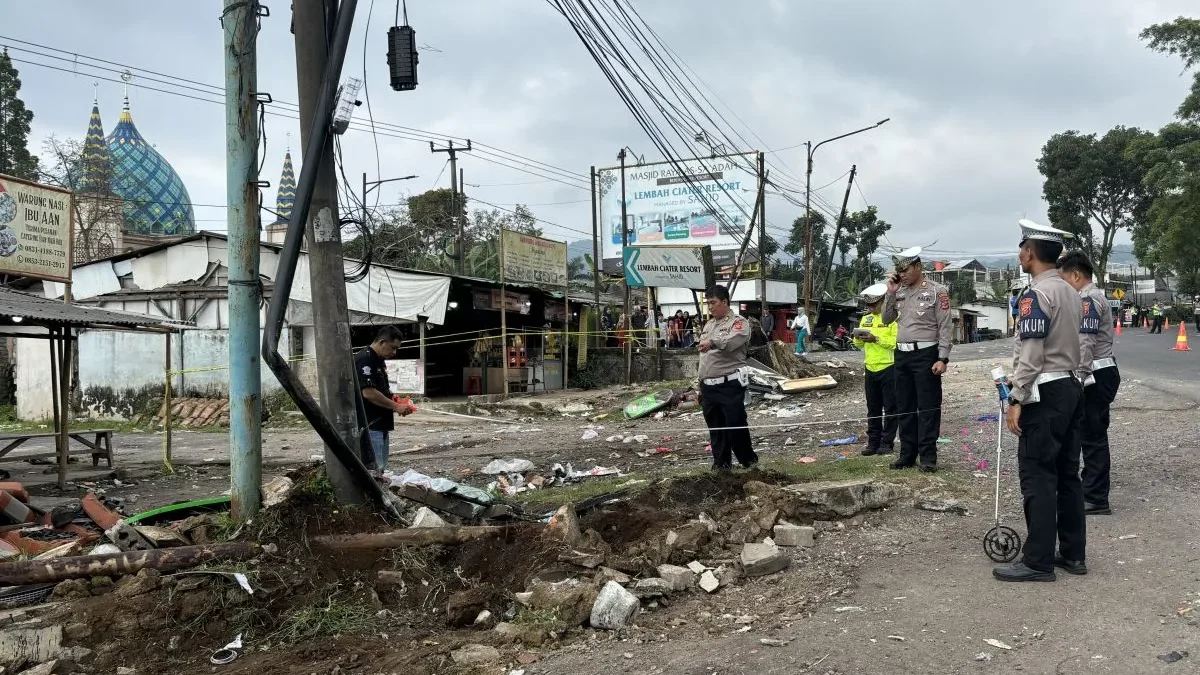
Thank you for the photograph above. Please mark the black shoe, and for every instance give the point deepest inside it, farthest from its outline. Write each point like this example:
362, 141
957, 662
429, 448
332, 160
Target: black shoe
901, 464
752, 466
1021, 572
885, 450
1076, 567
1097, 509
928, 468
871, 451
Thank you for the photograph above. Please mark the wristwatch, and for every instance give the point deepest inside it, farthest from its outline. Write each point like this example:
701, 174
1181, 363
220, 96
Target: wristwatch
945, 362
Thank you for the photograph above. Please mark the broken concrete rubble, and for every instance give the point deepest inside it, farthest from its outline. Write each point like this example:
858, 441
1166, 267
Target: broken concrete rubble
762, 559
614, 608
570, 600
678, 578
827, 500
564, 526
709, 582
787, 534
653, 587
427, 518
475, 655
30, 645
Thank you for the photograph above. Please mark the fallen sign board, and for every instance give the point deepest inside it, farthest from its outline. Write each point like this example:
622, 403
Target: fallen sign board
808, 384
669, 266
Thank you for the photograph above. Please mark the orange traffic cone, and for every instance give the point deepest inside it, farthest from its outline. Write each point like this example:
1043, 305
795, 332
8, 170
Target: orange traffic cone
1167, 323
1119, 323
1181, 344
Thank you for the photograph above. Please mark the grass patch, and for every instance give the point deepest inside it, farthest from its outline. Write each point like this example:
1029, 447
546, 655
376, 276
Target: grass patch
542, 619
316, 488
337, 616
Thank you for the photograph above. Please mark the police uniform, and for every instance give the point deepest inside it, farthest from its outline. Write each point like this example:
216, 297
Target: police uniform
924, 324
723, 390
1044, 385
879, 359
1101, 379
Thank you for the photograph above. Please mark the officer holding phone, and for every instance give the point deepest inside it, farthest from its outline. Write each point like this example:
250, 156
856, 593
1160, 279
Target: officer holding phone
878, 342
921, 308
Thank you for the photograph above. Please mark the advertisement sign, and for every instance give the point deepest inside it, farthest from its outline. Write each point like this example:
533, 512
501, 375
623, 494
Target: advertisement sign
664, 208
669, 267
533, 261
406, 376
1144, 287
35, 230
490, 299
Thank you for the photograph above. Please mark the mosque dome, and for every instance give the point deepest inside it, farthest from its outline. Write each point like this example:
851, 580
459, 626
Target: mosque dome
156, 200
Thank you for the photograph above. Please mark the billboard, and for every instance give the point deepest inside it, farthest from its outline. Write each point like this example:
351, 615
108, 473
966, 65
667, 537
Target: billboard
533, 261
668, 266
35, 230
663, 208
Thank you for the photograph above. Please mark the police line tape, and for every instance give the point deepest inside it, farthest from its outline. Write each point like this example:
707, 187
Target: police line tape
439, 343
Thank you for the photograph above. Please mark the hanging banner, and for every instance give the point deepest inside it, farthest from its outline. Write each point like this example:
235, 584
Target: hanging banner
533, 261
35, 230
669, 267
585, 328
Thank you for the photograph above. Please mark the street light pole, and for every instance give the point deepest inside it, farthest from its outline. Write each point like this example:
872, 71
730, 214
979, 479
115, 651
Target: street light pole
808, 235
368, 186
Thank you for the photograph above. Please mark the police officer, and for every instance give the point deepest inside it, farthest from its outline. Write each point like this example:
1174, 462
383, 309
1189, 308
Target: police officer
921, 308
723, 381
878, 342
1046, 411
1100, 377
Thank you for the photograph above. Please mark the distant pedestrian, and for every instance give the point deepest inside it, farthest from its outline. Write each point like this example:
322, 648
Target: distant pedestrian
377, 394
800, 325
1196, 313
1157, 314
768, 324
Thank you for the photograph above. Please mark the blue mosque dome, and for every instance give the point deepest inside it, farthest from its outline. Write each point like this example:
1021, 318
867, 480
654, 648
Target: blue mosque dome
156, 200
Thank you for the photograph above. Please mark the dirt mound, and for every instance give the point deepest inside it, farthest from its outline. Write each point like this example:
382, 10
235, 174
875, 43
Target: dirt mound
404, 608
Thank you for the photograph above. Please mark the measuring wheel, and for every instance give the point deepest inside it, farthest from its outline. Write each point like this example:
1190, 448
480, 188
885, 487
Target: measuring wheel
1002, 544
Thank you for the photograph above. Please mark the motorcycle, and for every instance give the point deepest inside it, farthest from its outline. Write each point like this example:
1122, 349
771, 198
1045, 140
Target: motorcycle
836, 344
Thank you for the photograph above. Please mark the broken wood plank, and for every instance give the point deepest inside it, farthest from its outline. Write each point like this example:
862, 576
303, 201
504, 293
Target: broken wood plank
120, 564
413, 536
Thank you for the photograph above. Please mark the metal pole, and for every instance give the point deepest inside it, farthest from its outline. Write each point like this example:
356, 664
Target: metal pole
566, 350
624, 245
56, 409
245, 296
459, 248
595, 247
421, 322
762, 233
808, 229
168, 467
314, 22
503, 319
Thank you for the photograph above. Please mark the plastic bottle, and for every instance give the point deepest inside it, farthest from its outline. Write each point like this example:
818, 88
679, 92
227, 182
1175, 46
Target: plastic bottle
1000, 379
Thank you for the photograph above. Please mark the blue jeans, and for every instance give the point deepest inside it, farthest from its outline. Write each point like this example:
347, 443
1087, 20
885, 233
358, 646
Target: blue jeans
379, 443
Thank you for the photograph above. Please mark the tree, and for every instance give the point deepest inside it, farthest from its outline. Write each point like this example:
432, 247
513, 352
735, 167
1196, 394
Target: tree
1169, 237
99, 212
862, 231
15, 158
1094, 182
962, 290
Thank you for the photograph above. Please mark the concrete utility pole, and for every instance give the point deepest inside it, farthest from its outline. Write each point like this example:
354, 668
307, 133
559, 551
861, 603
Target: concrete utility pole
625, 243
837, 234
762, 230
313, 22
456, 217
595, 251
245, 292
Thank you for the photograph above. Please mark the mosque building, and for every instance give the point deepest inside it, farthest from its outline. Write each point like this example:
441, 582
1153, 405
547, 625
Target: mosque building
285, 200
129, 196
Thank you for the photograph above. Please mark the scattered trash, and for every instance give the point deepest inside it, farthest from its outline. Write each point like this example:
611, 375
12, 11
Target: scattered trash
997, 644
588, 434
772, 642
983, 656
982, 465
849, 440
897, 638
1173, 656
807, 460
839, 610
943, 441
228, 653
1127, 536
990, 417
652, 402
499, 466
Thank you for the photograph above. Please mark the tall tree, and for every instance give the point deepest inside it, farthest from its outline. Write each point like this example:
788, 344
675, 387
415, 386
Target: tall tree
99, 212
15, 158
1094, 183
1169, 238
863, 230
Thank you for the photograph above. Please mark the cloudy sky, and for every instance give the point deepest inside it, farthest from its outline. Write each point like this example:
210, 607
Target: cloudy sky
973, 91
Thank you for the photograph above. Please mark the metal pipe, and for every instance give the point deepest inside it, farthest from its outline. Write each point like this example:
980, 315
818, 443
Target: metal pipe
289, 255
245, 294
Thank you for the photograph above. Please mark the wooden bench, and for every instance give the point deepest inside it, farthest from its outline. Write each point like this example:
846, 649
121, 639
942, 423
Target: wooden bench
100, 447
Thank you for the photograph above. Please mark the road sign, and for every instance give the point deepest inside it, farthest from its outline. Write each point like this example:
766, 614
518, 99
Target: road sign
1118, 294
668, 266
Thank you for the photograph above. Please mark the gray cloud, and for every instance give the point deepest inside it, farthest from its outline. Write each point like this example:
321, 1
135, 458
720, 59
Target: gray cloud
973, 92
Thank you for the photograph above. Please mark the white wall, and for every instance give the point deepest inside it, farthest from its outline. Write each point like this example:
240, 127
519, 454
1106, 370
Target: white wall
993, 317
32, 374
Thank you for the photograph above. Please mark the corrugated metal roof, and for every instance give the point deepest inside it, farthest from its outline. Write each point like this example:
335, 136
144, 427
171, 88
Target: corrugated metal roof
38, 310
